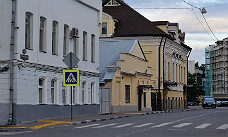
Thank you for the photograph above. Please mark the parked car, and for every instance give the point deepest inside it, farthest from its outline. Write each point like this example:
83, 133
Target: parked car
208, 102
219, 103
225, 103
190, 104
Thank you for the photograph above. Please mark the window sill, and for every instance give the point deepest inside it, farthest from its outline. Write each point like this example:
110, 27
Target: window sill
44, 51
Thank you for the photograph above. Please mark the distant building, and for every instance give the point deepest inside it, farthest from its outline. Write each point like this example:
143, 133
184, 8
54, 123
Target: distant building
216, 70
191, 66
42, 33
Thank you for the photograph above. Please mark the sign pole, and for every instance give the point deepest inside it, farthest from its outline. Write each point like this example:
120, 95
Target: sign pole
72, 80
71, 93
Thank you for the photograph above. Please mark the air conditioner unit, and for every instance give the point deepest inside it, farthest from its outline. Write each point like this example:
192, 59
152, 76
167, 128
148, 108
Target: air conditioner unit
74, 32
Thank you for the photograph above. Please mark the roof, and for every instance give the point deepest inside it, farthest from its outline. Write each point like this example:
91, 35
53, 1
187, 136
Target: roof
130, 22
109, 52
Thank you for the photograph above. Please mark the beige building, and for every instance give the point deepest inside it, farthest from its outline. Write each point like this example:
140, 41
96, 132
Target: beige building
125, 71
163, 46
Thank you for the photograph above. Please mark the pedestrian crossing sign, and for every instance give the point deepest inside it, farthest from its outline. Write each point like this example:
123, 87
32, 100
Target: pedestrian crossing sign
70, 77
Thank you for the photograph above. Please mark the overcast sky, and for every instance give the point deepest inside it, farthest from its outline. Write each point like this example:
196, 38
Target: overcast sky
196, 36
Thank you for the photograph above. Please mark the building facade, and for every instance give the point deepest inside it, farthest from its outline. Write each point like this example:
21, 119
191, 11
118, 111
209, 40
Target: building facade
125, 71
217, 70
35, 37
162, 44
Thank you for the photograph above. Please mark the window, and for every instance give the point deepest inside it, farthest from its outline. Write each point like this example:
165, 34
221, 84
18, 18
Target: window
74, 95
42, 34
144, 98
64, 95
127, 93
54, 37
104, 28
28, 30
92, 92
83, 91
53, 91
75, 46
66, 40
169, 71
92, 48
84, 45
41, 90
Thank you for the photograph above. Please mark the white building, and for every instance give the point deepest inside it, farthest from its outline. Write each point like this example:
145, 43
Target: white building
191, 66
48, 30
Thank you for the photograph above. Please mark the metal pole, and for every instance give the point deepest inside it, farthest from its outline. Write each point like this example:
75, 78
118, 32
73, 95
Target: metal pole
10, 121
71, 93
71, 101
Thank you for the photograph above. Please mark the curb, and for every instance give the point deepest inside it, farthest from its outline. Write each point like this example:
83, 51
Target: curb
96, 120
118, 117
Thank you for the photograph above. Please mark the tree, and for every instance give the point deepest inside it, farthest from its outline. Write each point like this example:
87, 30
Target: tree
196, 90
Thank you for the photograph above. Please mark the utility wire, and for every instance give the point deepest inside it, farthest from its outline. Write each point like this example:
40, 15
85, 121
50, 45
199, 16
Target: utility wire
209, 27
204, 19
191, 4
202, 24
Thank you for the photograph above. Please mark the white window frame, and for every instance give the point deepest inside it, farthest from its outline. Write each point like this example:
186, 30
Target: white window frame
66, 96
92, 92
76, 47
66, 37
55, 38
28, 30
42, 36
54, 91
104, 27
83, 93
43, 87
84, 52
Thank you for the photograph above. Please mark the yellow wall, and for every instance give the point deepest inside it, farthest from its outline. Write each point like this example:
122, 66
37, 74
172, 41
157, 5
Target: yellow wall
110, 24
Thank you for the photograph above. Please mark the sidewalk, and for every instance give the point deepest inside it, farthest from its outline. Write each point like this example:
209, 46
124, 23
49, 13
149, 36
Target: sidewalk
76, 120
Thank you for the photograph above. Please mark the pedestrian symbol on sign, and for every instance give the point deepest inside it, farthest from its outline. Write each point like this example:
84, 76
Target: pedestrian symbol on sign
71, 77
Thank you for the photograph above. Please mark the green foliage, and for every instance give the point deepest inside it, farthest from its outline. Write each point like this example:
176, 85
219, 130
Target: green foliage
196, 90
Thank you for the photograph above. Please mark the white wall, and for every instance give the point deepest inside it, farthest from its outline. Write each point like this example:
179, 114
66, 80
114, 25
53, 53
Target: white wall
71, 12
5, 26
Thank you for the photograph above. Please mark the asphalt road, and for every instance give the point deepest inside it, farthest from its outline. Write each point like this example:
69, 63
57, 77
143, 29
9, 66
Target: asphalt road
199, 122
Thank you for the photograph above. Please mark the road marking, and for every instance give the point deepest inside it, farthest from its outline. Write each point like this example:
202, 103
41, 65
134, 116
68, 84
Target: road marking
88, 126
143, 125
50, 123
182, 125
14, 127
224, 126
161, 125
105, 125
203, 125
124, 125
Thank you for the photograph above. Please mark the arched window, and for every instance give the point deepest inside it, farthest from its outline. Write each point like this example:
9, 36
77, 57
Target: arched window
54, 91
92, 92
41, 90
83, 92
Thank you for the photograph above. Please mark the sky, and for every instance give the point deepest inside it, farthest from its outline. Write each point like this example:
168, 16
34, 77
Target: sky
198, 35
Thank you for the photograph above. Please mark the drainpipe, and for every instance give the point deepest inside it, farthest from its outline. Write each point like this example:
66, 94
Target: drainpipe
163, 73
185, 104
10, 120
159, 65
